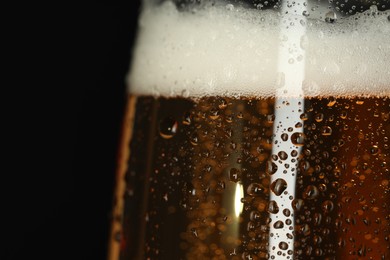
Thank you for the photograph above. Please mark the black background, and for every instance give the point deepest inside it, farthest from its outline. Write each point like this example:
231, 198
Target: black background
70, 64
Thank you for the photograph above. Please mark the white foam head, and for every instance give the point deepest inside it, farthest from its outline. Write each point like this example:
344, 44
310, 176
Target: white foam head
234, 51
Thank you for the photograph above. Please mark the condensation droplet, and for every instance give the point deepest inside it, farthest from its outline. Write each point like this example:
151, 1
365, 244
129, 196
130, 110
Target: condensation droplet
298, 139
286, 212
330, 17
234, 175
319, 117
327, 206
283, 245
273, 207
331, 102
229, 7
311, 192
284, 137
278, 186
297, 204
278, 224
254, 189
282, 155
194, 232
187, 119
374, 150
168, 128
326, 130
271, 168
255, 215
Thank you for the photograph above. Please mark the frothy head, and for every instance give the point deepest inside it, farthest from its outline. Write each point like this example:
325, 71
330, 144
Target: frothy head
235, 51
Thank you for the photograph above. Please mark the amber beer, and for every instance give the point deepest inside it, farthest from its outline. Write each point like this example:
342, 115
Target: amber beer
196, 166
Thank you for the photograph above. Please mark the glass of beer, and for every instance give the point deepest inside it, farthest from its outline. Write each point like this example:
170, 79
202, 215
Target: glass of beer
256, 129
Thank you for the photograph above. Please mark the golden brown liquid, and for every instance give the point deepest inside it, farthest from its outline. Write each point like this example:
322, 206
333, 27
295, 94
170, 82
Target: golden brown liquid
183, 161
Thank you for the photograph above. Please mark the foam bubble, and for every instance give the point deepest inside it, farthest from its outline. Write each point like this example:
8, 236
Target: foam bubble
220, 51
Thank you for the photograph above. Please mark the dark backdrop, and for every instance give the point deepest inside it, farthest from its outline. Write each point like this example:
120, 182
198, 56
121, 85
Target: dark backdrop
74, 61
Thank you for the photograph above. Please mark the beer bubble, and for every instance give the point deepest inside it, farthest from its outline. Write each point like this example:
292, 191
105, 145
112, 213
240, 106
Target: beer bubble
278, 224
311, 192
278, 186
273, 207
234, 175
298, 139
282, 155
254, 189
271, 167
283, 245
168, 127
326, 130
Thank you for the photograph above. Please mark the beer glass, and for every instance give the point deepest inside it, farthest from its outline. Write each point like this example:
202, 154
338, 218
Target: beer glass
256, 129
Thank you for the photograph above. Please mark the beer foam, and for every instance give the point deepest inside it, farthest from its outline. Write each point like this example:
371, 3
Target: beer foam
234, 51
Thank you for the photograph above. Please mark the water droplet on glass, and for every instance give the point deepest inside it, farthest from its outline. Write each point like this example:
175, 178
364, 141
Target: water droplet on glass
326, 130
271, 167
187, 119
284, 137
222, 104
278, 224
278, 186
330, 17
305, 13
254, 189
283, 245
282, 155
304, 116
327, 206
374, 150
214, 114
273, 207
168, 128
194, 139
297, 204
331, 102
311, 192
255, 215
319, 117
194, 232
234, 175
298, 139
270, 118
229, 7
